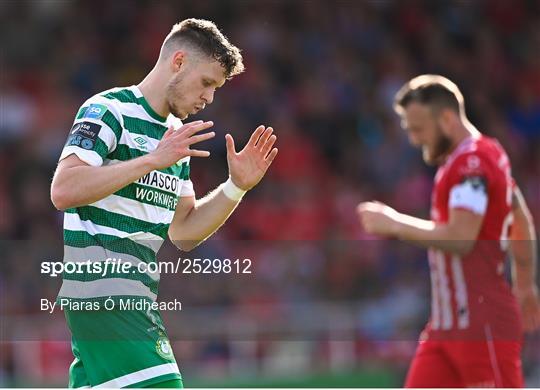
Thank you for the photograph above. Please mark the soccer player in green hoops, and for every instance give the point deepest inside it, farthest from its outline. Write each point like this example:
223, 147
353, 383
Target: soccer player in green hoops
123, 181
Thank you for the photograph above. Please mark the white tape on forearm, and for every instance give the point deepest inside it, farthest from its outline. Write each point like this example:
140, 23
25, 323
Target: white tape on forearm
232, 192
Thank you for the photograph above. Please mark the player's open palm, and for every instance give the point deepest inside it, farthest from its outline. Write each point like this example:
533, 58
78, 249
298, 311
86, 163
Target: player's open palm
175, 144
248, 166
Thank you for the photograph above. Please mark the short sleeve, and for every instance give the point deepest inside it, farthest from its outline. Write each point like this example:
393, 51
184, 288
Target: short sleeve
468, 184
187, 185
94, 134
187, 189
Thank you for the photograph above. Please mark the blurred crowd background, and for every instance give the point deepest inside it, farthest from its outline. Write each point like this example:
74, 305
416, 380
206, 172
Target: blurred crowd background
326, 304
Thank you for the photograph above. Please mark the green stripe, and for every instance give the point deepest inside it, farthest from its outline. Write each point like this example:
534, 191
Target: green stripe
185, 171
178, 170
124, 153
123, 95
168, 199
81, 112
82, 239
131, 273
101, 148
127, 96
110, 120
101, 300
119, 221
140, 126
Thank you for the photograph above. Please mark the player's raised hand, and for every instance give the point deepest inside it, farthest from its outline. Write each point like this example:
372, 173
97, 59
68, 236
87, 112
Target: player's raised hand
175, 144
377, 218
248, 166
529, 301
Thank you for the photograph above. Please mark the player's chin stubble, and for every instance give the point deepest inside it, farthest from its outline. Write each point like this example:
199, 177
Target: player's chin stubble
174, 95
174, 110
437, 155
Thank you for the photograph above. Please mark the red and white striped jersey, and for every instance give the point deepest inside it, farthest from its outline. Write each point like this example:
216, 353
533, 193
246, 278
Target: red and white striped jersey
470, 295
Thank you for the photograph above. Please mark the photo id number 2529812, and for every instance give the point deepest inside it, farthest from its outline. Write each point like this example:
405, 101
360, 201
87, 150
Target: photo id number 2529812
216, 266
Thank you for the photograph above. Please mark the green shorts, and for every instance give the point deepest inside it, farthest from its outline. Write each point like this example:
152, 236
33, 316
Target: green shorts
119, 349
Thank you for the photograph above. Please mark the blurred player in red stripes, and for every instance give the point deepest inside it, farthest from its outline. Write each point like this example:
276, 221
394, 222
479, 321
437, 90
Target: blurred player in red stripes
474, 335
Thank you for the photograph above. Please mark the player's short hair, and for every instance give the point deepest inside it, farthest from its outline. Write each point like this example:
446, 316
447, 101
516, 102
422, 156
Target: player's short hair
432, 90
204, 36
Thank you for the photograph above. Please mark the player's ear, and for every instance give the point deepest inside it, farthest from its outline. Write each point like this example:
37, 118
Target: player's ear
177, 60
447, 119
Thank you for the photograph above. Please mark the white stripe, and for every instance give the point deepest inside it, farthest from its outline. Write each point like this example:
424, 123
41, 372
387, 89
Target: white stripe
187, 189
435, 304
493, 357
135, 110
127, 138
97, 253
104, 288
180, 162
75, 223
88, 156
135, 209
142, 375
460, 293
446, 305
136, 91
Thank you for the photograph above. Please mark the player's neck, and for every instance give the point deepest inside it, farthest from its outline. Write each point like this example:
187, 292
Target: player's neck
153, 89
464, 131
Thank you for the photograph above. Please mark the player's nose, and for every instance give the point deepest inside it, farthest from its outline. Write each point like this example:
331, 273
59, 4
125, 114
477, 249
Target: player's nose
208, 97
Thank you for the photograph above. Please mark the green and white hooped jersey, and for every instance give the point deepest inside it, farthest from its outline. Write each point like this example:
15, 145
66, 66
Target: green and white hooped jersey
131, 224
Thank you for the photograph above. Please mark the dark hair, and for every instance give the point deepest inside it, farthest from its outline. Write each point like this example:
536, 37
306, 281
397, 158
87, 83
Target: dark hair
203, 35
432, 90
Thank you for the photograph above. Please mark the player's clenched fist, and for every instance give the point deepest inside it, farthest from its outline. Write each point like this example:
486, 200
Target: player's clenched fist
377, 218
248, 166
175, 144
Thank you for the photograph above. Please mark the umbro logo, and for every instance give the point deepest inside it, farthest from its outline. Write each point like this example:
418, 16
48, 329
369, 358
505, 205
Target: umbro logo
141, 141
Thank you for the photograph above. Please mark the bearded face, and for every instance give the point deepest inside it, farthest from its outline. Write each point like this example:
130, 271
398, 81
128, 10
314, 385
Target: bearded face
435, 152
425, 132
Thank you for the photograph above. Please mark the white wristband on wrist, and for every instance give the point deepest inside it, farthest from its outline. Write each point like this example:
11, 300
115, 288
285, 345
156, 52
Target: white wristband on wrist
232, 192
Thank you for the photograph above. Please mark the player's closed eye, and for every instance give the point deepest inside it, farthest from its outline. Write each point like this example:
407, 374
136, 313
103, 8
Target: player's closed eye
208, 83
